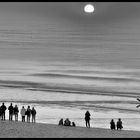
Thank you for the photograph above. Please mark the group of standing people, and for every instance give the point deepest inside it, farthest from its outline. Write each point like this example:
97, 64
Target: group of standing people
14, 111
118, 125
29, 112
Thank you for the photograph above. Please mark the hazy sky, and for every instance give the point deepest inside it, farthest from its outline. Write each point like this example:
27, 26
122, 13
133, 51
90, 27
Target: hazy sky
60, 31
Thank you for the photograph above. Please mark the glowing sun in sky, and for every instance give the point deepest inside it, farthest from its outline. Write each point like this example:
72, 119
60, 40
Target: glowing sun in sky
89, 8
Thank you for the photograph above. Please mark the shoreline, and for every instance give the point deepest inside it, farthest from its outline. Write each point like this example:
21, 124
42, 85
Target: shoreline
47, 114
12, 129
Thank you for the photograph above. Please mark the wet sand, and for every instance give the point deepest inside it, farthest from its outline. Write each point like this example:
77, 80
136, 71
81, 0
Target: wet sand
12, 129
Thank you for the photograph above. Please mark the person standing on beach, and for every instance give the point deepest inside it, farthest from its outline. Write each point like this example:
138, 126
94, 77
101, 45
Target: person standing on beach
33, 113
16, 112
87, 119
3, 109
28, 113
22, 112
119, 124
112, 125
11, 111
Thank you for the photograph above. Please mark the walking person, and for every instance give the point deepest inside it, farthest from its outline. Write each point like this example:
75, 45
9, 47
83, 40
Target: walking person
16, 112
3, 109
22, 112
28, 113
11, 112
87, 119
33, 113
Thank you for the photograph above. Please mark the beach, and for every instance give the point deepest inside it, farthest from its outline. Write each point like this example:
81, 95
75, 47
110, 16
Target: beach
64, 62
12, 129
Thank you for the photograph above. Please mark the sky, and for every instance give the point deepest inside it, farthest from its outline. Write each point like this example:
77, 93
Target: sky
63, 32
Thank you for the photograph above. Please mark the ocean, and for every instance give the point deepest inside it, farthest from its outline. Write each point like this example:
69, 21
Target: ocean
65, 62
67, 91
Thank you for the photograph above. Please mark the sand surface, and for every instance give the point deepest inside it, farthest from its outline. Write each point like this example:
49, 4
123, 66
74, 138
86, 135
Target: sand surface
39, 130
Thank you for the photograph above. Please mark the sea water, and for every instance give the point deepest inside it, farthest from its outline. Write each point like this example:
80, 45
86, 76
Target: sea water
64, 62
68, 92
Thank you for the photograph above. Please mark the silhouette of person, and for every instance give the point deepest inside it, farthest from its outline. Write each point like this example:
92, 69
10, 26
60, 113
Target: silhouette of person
28, 113
112, 125
3, 109
33, 112
119, 124
22, 112
16, 112
11, 111
87, 119
73, 124
60, 122
67, 122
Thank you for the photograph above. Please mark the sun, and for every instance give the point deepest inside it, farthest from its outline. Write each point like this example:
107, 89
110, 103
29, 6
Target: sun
89, 8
